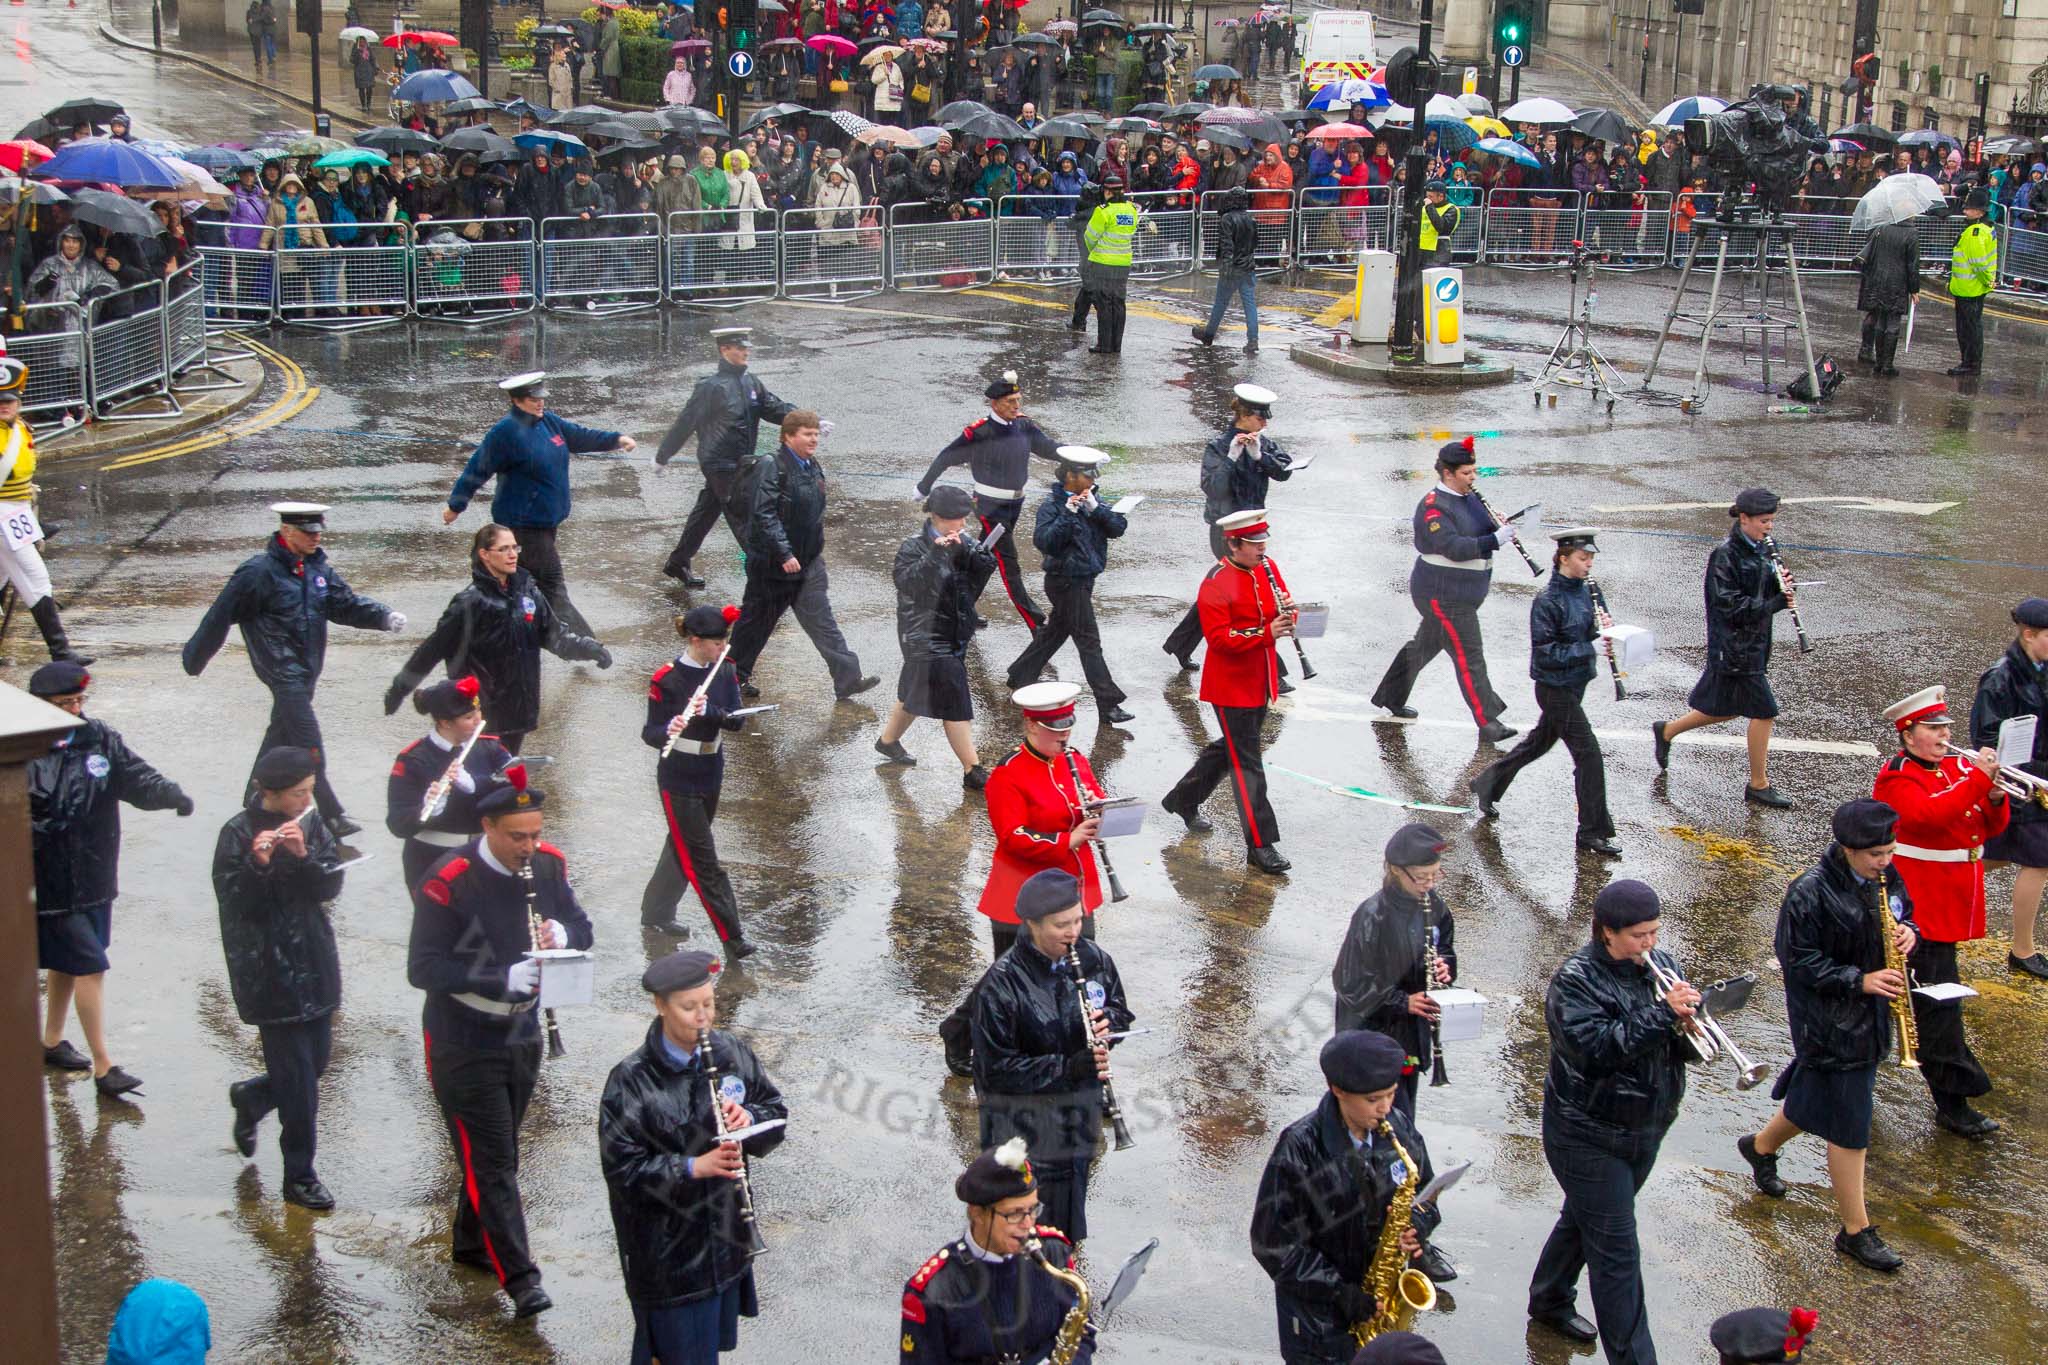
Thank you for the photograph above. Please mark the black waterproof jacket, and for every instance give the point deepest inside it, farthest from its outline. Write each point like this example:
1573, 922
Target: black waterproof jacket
2013, 687
282, 963
936, 586
75, 793
1828, 937
1617, 1064
1240, 485
1316, 1222
1890, 263
724, 413
786, 512
282, 605
1742, 597
1033, 1071
1562, 629
1075, 544
1380, 965
497, 633
680, 1239
1237, 242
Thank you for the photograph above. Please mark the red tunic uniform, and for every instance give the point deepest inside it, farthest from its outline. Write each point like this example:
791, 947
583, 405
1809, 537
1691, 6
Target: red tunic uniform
1945, 815
1033, 806
1238, 607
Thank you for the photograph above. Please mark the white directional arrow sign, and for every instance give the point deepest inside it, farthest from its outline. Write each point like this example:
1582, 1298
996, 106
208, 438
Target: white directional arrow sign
1851, 503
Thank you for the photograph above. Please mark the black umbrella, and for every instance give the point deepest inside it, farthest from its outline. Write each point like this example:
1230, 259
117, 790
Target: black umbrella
1217, 71
1087, 116
397, 140
988, 124
1150, 109
1102, 18
1300, 116
1154, 28
628, 150
41, 130
1228, 137
1192, 109
1866, 133
552, 31
761, 116
586, 33
1034, 40
1064, 128
612, 130
473, 105
89, 109
646, 120
480, 141
960, 109
691, 121
114, 212
582, 116
2011, 146
520, 108
1603, 125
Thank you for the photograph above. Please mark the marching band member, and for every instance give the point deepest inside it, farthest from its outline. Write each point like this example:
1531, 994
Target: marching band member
939, 572
1324, 1197
275, 867
1455, 537
1562, 630
1072, 533
981, 1298
472, 928
1039, 1066
1380, 979
1759, 1336
424, 765
997, 450
1743, 595
1839, 997
1041, 820
1246, 612
493, 631
1948, 808
2017, 685
691, 776
1617, 1075
22, 565
1238, 466
684, 1228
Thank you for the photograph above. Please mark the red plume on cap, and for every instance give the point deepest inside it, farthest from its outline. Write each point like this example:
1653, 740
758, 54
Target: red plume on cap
1801, 1325
516, 775
1467, 443
730, 612
467, 687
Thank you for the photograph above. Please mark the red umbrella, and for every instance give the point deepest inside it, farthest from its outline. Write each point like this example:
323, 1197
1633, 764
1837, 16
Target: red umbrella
1331, 132
14, 154
832, 45
422, 35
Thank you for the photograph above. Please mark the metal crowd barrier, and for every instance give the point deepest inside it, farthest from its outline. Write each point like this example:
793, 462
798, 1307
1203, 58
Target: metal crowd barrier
471, 271
1168, 245
1275, 230
1037, 240
1519, 233
1330, 236
948, 254
712, 264
366, 282
237, 272
608, 264
125, 359
189, 352
824, 260
2023, 259
52, 345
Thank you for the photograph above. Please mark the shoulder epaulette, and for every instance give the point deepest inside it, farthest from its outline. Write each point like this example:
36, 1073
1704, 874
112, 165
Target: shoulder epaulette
976, 425
930, 1268
546, 847
654, 692
1895, 764
1429, 498
435, 887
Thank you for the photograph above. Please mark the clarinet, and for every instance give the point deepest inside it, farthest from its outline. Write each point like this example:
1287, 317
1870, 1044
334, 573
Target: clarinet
1786, 586
1308, 669
1437, 1074
1118, 1128
1606, 623
533, 928
710, 1065
1520, 548
1116, 887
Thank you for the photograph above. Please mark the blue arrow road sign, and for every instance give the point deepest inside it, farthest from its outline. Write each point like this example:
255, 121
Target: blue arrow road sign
741, 64
1512, 55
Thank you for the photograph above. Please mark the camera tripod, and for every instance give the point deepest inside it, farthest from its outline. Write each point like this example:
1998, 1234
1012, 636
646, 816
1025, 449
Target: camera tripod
1575, 362
1750, 306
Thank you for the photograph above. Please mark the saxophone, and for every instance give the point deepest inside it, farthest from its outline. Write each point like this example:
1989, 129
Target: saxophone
1074, 1328
1895, 961
1398, 1290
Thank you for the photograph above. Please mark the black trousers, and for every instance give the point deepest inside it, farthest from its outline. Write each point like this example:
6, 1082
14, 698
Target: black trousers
1008, 567
1562, 716
1236, 753
539, 557
768, 595
1109, 321
294, 1059
1952, 1072
1447, 627
689, 860
1084, 300
1073, 617
1970, 329
293, 723
714, 500
483, 1094
1186, 637
1596, 1232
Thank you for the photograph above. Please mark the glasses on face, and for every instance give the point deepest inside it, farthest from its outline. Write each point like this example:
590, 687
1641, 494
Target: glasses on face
1422, 878
510, 547
1018, 1218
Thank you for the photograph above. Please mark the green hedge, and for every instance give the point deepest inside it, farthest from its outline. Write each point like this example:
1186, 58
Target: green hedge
645, 62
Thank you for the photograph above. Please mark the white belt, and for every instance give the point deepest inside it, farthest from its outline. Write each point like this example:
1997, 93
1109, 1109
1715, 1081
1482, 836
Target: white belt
441, 838
692, 746
502, 1008
1000, 494
1941, 855
1469, 566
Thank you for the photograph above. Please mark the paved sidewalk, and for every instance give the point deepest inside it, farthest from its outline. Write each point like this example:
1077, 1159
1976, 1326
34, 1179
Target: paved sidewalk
201, 412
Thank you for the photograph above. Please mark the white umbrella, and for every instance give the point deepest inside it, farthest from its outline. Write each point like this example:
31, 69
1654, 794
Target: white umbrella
1440, 106
1537, 110
1677, 112
1477, 104
355, 31
1895, 199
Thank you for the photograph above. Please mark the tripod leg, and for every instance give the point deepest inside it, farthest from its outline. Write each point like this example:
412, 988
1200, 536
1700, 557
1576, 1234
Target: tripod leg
1799, 308
1677, 298
1699, 374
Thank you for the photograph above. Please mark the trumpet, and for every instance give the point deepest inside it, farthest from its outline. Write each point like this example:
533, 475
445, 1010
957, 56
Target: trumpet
2014, 782
1705, 1036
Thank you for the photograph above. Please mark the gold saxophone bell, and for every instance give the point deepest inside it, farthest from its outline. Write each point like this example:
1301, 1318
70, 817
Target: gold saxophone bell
1417, 1293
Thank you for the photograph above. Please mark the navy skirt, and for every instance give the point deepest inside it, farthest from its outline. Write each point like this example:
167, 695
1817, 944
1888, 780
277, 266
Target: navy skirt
695, 1333
935, 687
2025, 844
75, 941
1726, 694
1832, 1105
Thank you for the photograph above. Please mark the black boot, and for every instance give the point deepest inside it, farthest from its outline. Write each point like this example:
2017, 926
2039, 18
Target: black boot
1887, 351
1867, 351
45, 614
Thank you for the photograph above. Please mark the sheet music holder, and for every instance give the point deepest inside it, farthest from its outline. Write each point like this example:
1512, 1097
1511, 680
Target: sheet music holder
2015, 739
1128, 504
1444, 1180
1300, 462
1726, 997
1127, 1278
1944, 991
1121, 815
754, 1130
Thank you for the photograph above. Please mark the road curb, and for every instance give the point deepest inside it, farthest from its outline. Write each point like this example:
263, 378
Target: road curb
1361, 365
339, 119
205, 411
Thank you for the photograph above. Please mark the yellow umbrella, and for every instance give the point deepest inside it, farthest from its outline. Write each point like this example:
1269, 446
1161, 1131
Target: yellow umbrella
1489, 127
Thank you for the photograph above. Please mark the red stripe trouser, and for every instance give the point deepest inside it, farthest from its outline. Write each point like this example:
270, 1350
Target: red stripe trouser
1234, 757
483, 1094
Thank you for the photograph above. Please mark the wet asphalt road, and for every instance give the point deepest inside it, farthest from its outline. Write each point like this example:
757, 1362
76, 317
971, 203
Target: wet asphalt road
860, 884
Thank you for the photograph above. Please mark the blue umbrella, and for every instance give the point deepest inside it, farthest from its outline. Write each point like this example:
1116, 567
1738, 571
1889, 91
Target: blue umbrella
553, 142
1509, 148
525, 106
1692, 106
108, 162
1352, 91
434, 87
1453, 135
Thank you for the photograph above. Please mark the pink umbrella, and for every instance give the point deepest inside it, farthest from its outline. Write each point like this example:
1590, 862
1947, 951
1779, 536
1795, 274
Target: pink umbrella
686, 46
1332, 132
832, 45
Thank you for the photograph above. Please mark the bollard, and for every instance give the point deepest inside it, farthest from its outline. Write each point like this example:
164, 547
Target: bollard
1372, 313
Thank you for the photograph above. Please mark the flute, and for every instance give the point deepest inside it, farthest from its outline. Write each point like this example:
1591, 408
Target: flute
1118, 1128
703, 690
709, 1062
533, 932
1786, 586
1308, 670
1607, 623
438, 789
1116, 887
1505, 525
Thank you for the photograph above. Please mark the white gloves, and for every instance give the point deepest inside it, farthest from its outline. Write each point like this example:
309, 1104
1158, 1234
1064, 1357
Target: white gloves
522, 978
395, 622
463, 781
561, 935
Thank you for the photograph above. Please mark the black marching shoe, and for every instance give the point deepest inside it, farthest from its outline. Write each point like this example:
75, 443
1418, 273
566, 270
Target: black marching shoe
1116, 715
893, 750
1960, 371
1962, 1120
1568, 1325
1285, 687
1483, 794
1433, 1263
341, 827
1603, 844
860, 685
1766, 796
959, 1040
1660, 746
1869, 1248
738, 948
975, 778
308, 1194
1403, 712
2034, 964
244, 1131
1267, 859
1493, 732
747, 689
530, 1301
1192, 817
66, 1057
117, 1083
672, 927
680, 571
1186, 661
1205, 337
1763, 1168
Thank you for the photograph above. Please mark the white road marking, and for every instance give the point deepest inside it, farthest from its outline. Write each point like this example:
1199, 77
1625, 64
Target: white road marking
1634, 734
1850, 502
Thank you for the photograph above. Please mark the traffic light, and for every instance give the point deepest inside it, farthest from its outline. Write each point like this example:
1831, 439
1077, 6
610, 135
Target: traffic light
308, 18
1510, 28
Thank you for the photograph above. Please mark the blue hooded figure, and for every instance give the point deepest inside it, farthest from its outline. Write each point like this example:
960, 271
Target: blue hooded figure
161, 1322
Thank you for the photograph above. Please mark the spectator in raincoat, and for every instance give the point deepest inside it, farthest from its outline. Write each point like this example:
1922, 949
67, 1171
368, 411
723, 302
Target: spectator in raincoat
610, 58
161, 1322
1272, 185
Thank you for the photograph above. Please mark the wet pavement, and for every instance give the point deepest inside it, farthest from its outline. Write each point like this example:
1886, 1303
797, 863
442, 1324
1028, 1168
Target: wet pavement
860, 884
